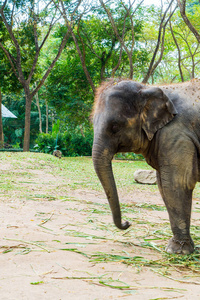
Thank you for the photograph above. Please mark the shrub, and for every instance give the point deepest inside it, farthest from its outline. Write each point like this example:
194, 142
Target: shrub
129, 156
71, 144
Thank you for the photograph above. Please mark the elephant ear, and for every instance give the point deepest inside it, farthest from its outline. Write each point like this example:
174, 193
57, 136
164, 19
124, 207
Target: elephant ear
157, 110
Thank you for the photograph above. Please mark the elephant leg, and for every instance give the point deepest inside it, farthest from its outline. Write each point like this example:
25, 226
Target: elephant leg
175, 189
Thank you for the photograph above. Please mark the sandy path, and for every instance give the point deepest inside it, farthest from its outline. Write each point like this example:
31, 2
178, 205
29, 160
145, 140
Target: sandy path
50, 247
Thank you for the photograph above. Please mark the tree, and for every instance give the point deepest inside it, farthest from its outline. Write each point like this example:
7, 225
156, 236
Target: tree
190, 50
160, 42
93, 40
96, 36
26, 43
182, 7
121, 36
69, 22
98, 39
186, 53
8, 82
69, 90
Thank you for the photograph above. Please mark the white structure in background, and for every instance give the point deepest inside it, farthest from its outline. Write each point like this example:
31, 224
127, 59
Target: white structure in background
6, 113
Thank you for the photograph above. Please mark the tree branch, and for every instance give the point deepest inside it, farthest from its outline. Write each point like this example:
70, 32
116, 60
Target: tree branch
38, 49
63, 43
118, 63
181, 5
161, 33
121, 39
81, 56
179, 52
9, 56
20, 75
3, 6
131, 19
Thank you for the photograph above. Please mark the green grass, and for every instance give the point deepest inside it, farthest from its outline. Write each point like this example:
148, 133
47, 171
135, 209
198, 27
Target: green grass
77, 173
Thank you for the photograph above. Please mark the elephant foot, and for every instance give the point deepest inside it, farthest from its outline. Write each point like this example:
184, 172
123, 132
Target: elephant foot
180, 246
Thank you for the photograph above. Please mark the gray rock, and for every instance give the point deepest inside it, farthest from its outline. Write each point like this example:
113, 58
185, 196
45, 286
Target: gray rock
145, 176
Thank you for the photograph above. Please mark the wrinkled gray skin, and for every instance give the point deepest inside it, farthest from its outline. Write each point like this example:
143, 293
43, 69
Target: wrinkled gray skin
165, 128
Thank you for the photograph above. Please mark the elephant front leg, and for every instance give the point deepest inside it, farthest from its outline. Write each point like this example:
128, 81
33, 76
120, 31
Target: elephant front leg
177, 196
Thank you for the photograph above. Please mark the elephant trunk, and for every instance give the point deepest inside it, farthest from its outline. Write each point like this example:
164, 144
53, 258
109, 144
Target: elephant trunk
103, 167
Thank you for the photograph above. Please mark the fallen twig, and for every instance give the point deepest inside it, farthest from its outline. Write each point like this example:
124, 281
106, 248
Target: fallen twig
27, 242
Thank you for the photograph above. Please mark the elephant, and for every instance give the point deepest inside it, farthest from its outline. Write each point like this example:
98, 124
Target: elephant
163, 124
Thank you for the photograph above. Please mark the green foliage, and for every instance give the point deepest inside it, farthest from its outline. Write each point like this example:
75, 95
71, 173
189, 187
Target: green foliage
56, 127
24, 35
67, 90
69, 143
8, 80
168, 70
129, 156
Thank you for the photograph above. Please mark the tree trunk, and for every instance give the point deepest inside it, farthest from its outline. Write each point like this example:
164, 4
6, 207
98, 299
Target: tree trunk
39, 112
47, 117
1, 124
27, 119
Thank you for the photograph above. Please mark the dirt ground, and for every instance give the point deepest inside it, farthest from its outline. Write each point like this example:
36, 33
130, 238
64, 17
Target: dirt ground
58, 246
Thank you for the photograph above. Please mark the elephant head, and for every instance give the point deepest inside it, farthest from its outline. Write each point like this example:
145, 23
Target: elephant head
126, 117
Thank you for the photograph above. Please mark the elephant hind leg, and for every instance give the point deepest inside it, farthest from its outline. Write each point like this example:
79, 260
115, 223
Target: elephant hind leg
178, 200
180, 247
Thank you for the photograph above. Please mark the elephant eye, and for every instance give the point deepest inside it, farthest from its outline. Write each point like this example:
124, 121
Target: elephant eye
115, 128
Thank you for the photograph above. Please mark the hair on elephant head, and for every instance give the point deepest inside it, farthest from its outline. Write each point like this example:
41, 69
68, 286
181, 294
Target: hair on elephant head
127, 117
123, 112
